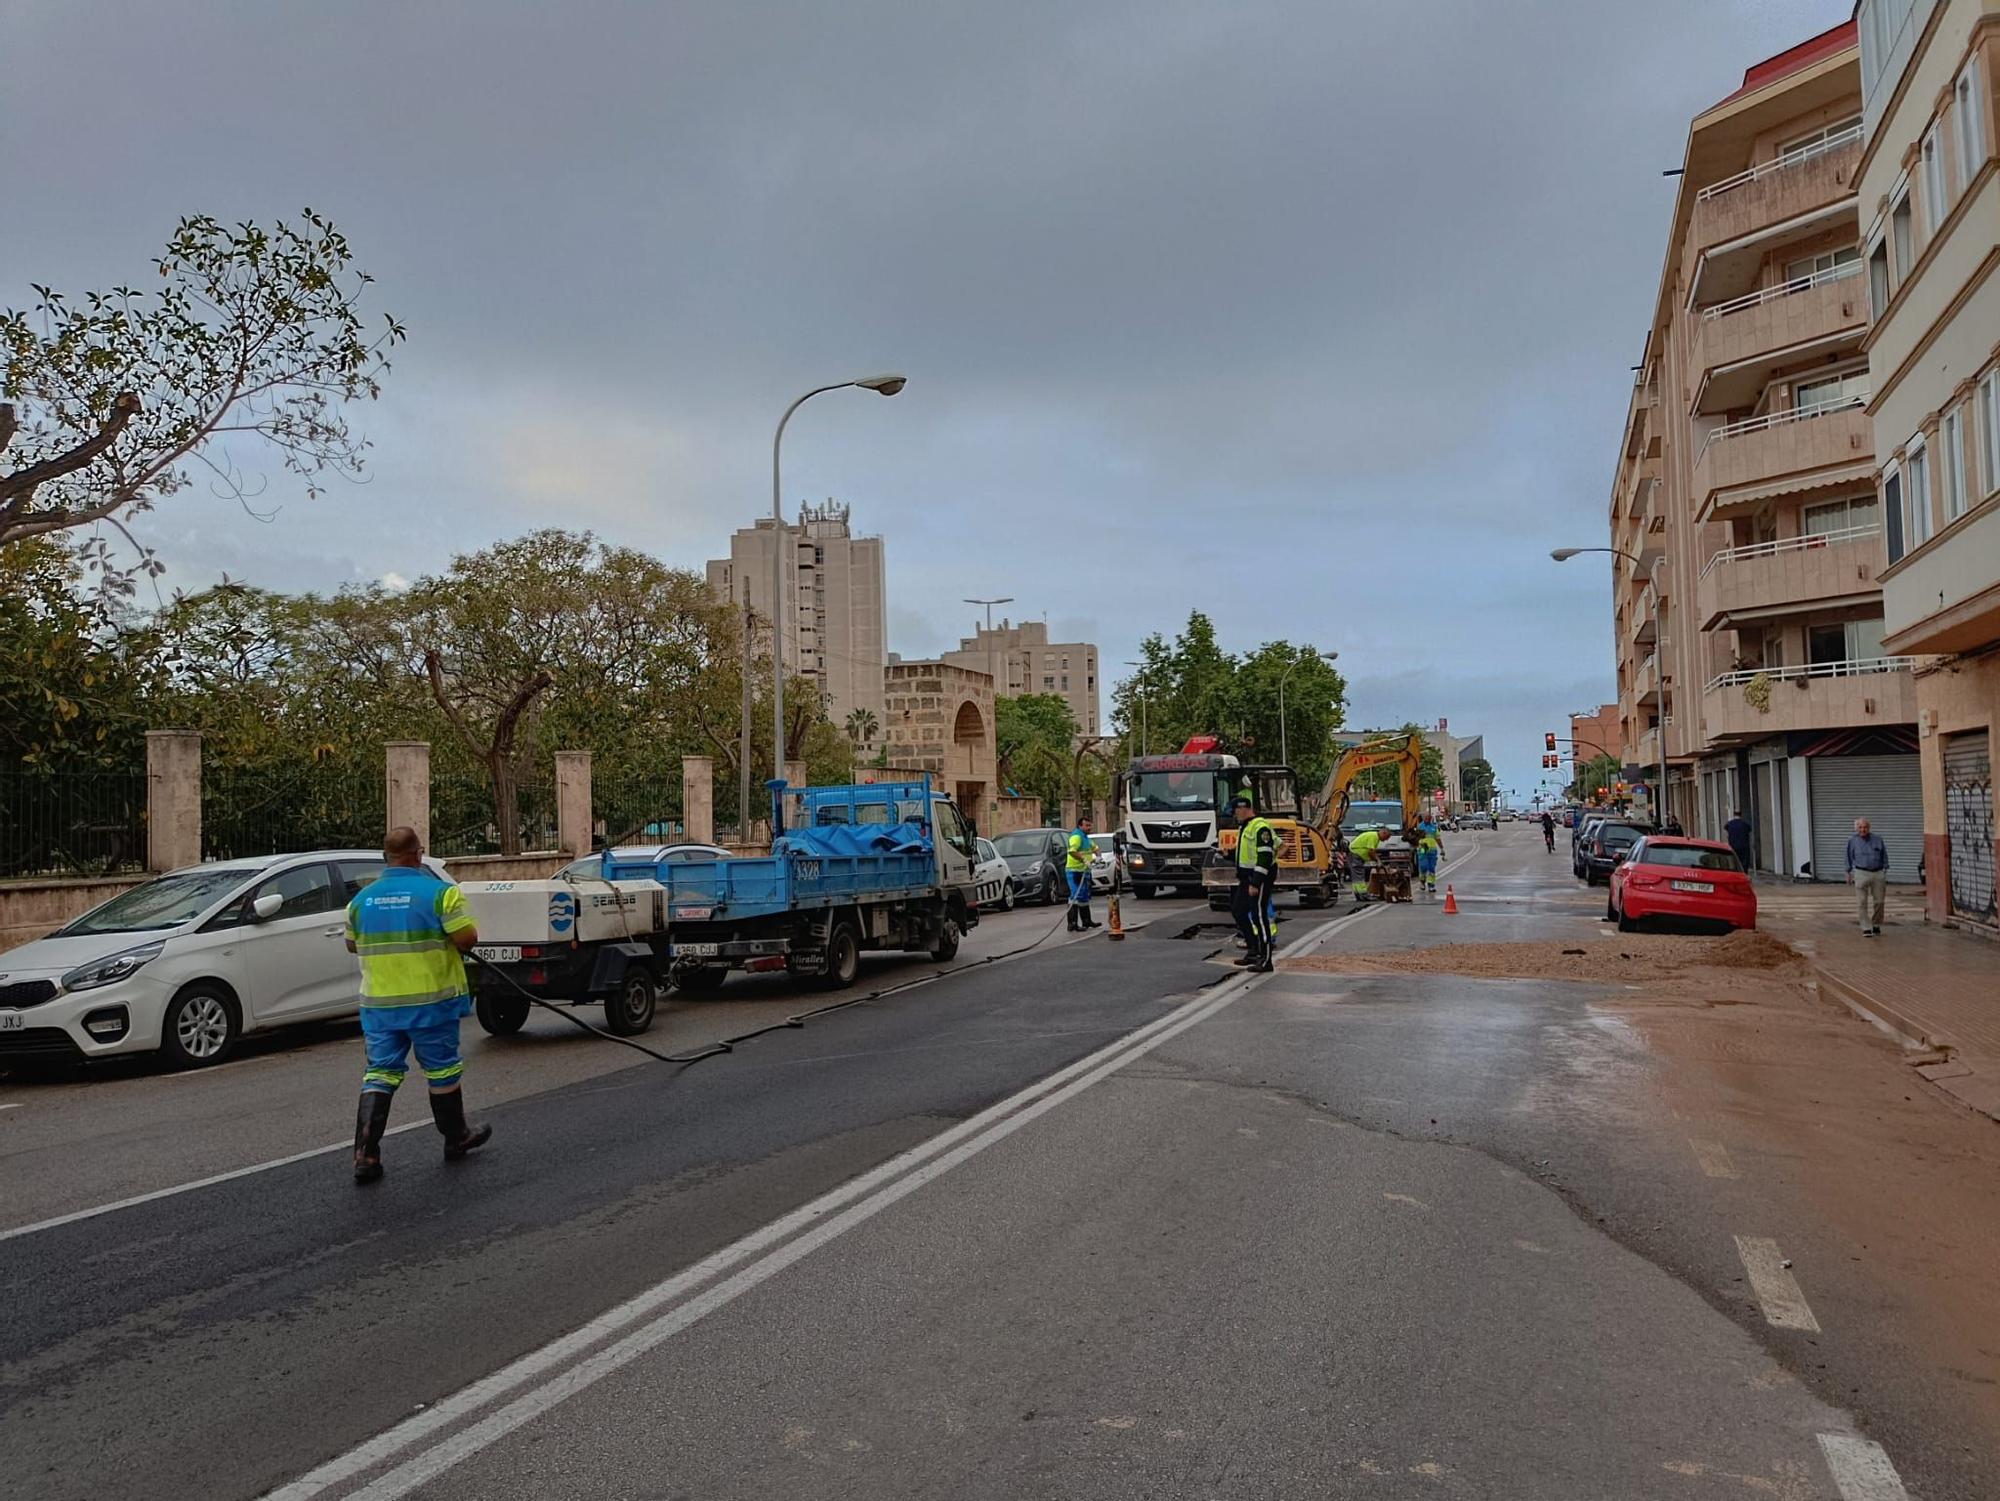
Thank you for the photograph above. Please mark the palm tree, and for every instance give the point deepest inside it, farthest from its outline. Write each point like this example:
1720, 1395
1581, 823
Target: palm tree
862, 726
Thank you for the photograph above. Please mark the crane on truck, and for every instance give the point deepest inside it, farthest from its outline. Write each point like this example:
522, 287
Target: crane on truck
1310, 854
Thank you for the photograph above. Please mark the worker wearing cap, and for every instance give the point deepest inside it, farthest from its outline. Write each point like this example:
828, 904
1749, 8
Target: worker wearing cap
1256, 875
1361, 852
410, 929
1077, 857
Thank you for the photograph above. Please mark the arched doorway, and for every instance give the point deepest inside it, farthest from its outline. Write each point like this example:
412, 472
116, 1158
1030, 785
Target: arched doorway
968, 744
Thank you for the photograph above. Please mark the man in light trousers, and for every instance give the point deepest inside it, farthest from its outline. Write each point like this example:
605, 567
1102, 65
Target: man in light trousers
1868, 869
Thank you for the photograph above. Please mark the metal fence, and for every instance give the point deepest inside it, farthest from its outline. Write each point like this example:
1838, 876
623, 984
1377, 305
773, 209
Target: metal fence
72, 823
462, 821
637, 810
279, 810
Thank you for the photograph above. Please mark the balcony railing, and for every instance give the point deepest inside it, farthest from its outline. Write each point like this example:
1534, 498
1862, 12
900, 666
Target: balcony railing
1779, 419
1784, 289
1779, 545
1857, 667
1778, 164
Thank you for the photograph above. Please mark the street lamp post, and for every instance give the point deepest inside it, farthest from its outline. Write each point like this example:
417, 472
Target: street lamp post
1563, 555
1284, 735
1005, 599
882, 385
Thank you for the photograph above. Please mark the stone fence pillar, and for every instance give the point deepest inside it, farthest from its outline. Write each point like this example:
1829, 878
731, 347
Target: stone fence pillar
795, 774
698, 798
173, 799
573, 812
407, 779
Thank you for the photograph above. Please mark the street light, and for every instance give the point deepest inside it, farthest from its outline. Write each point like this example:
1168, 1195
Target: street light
882, 385
1284, 738
1563, 555
1005, 599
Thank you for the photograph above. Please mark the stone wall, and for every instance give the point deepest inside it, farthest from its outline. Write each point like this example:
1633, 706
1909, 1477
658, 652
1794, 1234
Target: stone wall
939, 719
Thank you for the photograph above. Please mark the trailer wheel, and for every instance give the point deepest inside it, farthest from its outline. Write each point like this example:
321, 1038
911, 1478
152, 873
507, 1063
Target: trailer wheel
700, 979
628, 1010
501, 1015
843, 957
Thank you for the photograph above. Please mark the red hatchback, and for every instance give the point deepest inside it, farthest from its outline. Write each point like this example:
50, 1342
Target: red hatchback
1694, 879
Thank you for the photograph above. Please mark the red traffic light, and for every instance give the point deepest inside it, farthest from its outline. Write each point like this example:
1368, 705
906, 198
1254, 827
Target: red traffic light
1549, 740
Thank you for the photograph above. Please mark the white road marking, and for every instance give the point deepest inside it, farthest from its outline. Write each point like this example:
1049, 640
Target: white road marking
882, 1187
1714, 1158
12, 1105
1776, 1288
181, 1188
1861, 1469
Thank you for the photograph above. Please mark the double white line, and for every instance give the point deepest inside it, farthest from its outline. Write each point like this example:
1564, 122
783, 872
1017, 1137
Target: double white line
566, 1366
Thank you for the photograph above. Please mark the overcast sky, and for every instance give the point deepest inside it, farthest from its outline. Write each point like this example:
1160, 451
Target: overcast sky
1315, 316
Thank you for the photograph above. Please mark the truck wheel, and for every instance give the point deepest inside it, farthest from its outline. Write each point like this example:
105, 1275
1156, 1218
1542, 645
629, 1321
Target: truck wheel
501, 1015
946, 947
700, 979
628, 1010
843, 957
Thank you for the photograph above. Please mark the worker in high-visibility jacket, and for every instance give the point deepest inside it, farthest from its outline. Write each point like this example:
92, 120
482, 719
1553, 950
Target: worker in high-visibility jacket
1078, 854
410, 929
1361, 854
1430, 849
1256, 875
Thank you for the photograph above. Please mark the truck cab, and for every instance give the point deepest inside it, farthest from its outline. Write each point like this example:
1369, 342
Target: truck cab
1173, 806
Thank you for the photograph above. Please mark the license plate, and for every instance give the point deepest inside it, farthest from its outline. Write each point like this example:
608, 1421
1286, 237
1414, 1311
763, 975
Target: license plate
697, 950
12, 1021
1694, 885
1177, 864
693, 914
498, 953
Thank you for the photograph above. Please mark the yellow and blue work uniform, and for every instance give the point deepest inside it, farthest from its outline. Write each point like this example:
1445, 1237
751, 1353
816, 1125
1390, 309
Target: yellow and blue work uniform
1361, 852
413, 989
1256, 876
1429, 849
1079, 852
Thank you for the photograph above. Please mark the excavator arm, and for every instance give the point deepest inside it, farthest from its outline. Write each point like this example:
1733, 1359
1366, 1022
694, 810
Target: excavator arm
1405, 753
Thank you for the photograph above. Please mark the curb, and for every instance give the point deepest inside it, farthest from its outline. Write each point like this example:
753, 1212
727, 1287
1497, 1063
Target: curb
1907, 1030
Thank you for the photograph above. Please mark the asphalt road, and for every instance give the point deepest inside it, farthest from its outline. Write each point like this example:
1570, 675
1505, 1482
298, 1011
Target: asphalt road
1102, 1220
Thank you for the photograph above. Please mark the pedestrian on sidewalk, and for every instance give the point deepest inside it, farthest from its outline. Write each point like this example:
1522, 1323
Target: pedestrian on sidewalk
411, 931
1868, 869
1737, 832
1077, 857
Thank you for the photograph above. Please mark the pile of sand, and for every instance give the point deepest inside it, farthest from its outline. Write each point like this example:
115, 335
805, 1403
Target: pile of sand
1637, 956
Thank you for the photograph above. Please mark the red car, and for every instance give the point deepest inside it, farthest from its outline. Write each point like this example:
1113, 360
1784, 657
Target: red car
1694, 879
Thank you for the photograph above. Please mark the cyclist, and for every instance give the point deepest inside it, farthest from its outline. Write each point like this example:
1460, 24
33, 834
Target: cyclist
1549, 830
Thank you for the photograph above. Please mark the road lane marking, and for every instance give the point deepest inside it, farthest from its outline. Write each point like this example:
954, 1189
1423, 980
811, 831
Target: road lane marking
13, 1105
1861, 1469
1713, 1157
876, 1191
1776, 1288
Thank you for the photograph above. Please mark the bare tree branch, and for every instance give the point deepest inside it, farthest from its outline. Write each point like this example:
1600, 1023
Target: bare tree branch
17, 488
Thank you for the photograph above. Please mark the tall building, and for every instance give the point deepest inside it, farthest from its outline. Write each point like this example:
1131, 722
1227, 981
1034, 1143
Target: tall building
1600, 733
836, 618
1022, 659
1930, 209
1745, 489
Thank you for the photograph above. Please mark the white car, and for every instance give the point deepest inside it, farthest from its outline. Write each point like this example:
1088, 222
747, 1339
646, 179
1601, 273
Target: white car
992, 878
189, 962
1104, 864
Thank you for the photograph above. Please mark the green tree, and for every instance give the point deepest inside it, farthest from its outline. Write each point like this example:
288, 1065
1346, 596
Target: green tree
1314, 702
119, 399
72, 688
862, 727
1383, 781
1475, 780
1035, 734
1598, 772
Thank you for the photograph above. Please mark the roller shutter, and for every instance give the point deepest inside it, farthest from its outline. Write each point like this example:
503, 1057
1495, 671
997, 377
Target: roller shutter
1887, 791
1968, 821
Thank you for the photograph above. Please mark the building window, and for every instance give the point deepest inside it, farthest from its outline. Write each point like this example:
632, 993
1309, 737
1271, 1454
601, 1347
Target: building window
1971, 139
1878, 278
1065, 682
1848, 388
1048, 685
1899, 231
1806, 267
1814, 142
1892, 511
1989, 431
1933, 183
1838, 516
1917, 486
1951, 470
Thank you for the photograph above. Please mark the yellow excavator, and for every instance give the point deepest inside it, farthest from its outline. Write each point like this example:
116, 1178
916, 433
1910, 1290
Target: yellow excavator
1306, 852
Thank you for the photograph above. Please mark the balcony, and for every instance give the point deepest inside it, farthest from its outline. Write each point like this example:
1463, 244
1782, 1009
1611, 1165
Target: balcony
1943, 597
1774, 192
1640, 481
1792, 452
1647, 751
1739, 345
1744, 584
1646, 681
1822, 696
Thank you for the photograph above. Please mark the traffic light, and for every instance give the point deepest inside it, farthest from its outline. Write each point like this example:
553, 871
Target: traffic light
1549, 740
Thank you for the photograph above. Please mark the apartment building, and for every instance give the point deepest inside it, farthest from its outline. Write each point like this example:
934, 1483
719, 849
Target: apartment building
836, 613
1598, 733
1930, 211
1748, 605
1022, 659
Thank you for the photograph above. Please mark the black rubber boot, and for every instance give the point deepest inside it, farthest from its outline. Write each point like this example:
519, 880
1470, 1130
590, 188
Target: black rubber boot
1073, 926
448, 1110
370, 1119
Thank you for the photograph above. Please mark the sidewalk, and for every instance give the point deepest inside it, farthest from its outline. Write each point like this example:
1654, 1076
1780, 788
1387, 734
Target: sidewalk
1933, 989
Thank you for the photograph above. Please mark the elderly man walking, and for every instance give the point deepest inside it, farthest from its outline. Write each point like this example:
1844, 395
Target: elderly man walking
1868, 869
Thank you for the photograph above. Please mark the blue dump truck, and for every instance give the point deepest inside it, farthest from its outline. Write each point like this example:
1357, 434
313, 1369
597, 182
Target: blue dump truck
884, 865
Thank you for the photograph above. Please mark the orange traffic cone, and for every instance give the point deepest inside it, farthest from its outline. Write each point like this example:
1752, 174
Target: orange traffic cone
1117, 927
1450, 901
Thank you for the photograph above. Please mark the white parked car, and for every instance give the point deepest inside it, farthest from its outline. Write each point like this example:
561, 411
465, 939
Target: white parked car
992, 878
188, 962
1104, 864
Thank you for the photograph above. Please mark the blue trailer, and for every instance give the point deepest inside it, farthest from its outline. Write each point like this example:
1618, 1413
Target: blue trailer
869, 866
